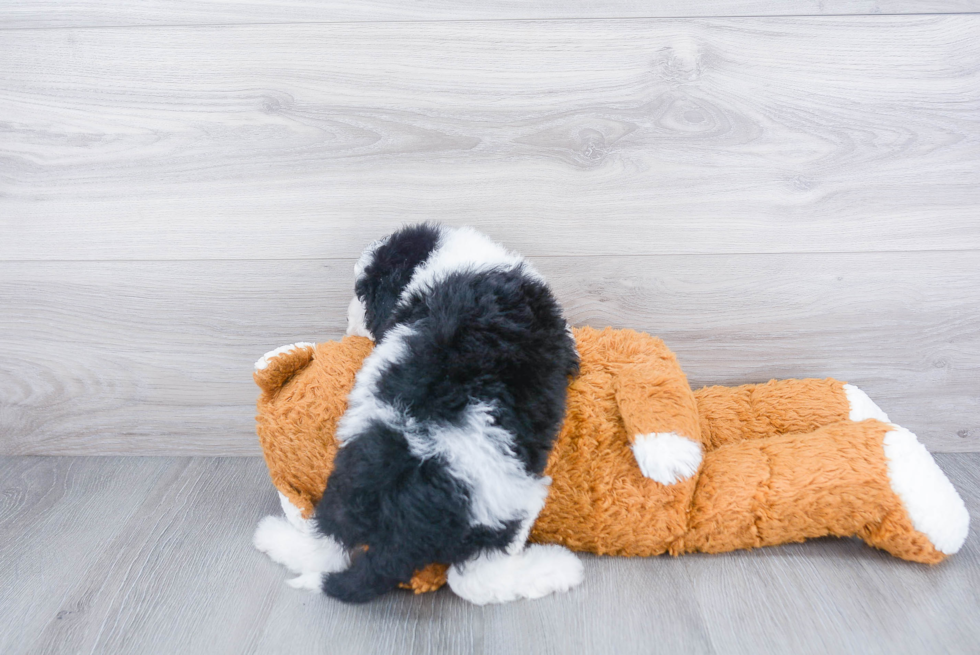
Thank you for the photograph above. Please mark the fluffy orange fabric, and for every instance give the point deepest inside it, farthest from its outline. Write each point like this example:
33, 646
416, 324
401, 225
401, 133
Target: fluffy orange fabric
782, 462
304, 394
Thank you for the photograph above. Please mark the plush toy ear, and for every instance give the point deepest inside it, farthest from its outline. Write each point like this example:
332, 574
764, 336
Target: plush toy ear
277, 366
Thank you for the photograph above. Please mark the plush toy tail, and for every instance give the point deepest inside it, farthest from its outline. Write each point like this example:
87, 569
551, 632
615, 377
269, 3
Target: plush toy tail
277, 366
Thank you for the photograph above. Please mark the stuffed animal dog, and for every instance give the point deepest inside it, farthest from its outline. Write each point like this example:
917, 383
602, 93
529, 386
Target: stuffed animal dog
643, 465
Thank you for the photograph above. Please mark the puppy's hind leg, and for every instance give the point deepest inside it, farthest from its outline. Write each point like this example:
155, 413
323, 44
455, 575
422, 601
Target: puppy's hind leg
298, 550
295, 543
497, 577
522, 571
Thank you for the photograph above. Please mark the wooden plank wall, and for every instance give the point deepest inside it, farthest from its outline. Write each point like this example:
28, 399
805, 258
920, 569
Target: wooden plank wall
185, 185
86, 13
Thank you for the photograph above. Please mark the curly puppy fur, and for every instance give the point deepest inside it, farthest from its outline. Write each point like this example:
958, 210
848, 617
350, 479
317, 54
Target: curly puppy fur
453, 415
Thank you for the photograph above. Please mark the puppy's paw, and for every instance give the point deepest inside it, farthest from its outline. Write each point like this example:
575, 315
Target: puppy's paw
666, 457
550, 569
273, 537
498, 577
298, 551
312, 582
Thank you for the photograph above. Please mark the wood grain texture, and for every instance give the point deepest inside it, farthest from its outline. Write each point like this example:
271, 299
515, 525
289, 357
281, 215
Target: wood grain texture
798, 599
571, 137
155, 357
153, 555
91, 13
184, 539
56, 517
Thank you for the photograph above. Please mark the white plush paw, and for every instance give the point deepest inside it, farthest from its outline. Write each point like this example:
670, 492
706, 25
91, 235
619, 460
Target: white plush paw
666, 457
297, 550
308, 581
933, 505
497, 577
264, 360
862, 407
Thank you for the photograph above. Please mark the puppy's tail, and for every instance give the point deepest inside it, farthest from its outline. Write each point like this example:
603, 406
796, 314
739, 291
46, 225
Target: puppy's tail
359, 583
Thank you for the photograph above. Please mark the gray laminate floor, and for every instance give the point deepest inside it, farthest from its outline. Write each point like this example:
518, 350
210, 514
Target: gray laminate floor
153, 555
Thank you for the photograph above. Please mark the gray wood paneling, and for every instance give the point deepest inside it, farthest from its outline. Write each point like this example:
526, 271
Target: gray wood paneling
153, 555
155, 357
87, 13
573, 137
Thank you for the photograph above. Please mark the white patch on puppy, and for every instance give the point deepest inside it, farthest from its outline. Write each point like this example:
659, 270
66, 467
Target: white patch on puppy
263, 361
933, 505
497, 577
311, 582
298, 550
862, 407
367, 255
481, 455
463, 250
520, 540
356, 322
294, 515
364, 406
666, 457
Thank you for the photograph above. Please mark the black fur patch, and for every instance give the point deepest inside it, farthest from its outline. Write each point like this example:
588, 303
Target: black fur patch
390, 271
495, 337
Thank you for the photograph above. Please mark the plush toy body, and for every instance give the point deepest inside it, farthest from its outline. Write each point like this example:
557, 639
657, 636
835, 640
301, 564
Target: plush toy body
644, 465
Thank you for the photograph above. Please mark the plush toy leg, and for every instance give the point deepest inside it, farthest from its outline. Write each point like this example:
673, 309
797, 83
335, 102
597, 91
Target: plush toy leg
869, 479
927, 495
754, 411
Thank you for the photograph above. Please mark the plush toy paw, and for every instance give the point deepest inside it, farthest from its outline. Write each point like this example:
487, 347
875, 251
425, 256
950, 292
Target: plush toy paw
497, 577
666, 457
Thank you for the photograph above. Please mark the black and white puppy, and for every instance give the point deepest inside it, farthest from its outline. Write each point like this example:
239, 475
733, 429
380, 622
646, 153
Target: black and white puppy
450, 422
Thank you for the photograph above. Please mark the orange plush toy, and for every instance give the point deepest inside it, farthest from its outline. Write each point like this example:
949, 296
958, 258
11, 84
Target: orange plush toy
644, 465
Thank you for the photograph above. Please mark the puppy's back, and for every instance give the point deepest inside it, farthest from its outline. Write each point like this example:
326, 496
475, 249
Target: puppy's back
452, 417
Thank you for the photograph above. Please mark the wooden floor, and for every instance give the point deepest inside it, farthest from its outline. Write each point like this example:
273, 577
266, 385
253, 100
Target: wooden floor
153, 555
